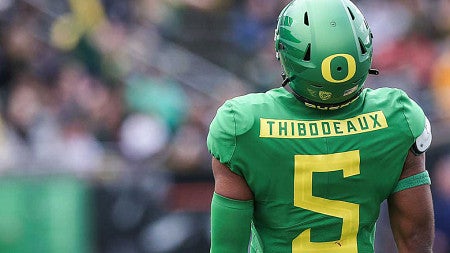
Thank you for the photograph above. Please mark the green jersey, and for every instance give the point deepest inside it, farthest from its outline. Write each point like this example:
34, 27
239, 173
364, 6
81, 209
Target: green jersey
318, 176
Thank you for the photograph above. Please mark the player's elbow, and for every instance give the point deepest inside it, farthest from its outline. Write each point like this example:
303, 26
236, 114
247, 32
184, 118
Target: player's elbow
420, 239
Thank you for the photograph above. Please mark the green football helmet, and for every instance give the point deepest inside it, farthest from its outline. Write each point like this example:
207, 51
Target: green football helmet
325, 49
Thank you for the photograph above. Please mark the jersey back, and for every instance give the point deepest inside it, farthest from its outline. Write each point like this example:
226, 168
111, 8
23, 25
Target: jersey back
318, 177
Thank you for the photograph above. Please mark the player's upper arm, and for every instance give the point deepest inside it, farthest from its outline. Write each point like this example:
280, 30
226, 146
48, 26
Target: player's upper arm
231, 211
229, 184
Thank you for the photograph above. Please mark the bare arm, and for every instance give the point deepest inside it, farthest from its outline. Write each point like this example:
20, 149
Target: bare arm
411, 212
229, 184
231, 211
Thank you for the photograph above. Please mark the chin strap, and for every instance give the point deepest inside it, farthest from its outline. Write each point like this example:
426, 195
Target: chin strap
286, 79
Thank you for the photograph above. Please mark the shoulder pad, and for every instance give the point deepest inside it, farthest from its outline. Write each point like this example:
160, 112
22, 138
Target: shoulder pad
423, 142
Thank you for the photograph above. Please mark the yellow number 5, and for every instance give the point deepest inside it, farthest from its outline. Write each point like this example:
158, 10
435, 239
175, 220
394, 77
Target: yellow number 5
305, 165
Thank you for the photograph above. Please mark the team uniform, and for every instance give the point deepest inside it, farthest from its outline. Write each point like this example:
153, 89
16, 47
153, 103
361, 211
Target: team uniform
318, 176
322, 153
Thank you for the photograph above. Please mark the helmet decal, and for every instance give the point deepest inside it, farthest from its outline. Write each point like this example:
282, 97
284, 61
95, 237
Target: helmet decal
312, 92
325, 95
326, 68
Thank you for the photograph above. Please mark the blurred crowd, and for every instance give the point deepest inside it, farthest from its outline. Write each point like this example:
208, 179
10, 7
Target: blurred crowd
122, 92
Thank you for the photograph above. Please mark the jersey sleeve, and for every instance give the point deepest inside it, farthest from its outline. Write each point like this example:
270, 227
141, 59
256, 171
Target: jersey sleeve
221, 140
421, 132
417, 122
232, 119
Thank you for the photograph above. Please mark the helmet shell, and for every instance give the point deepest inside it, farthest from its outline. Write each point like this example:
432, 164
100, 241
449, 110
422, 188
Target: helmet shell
325, 49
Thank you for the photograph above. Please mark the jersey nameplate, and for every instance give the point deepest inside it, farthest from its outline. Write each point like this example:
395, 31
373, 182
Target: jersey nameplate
280, 128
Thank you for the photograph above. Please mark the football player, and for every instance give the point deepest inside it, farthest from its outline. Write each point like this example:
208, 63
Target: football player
305, 167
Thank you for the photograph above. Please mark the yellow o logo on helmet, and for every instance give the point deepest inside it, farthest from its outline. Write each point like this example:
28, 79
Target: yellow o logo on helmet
326, 68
